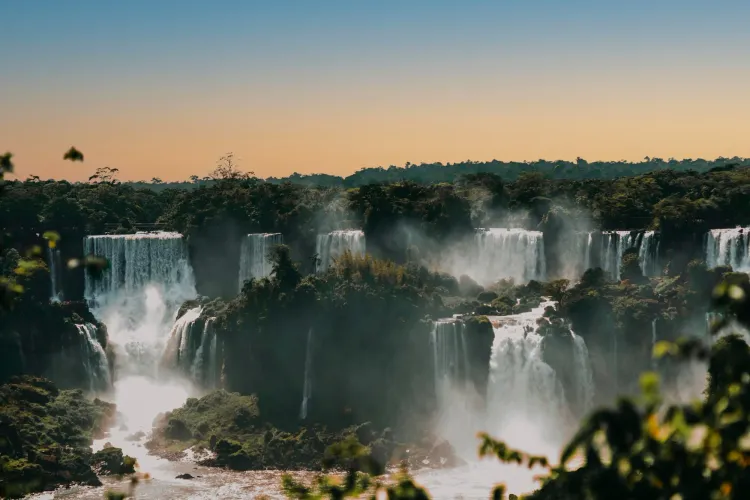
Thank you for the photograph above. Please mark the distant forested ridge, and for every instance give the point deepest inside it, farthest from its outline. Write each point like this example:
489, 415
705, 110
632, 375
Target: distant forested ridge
431, 173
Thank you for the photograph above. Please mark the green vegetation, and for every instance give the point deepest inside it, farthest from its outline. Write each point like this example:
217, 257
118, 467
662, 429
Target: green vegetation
681, 203
46, 435
641, 448
231, 427
110, 461
369, 321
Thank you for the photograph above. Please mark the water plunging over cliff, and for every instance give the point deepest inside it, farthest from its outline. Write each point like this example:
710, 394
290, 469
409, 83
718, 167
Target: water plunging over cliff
333, 245
615, 243
457, 402
526, 405
729, 247
205, 368
525, 399
508, 253
94, 358
254, 255
307, 383
448, 339
137, 298
55, 274
648, 254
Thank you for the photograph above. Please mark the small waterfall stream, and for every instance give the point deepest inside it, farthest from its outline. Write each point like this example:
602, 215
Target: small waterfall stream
254, 256
729, 247
205, 363
307, 384
55, 274
333, 245
95, 359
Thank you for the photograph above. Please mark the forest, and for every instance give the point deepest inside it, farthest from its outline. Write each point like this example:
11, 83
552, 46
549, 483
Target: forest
332, 367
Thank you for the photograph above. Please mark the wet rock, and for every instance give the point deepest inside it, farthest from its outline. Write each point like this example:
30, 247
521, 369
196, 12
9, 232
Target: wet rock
111, 461
136, 436
185, 476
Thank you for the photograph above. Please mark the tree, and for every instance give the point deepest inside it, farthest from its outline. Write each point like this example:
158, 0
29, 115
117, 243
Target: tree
6, 164
156, 180
226, 169
105, 175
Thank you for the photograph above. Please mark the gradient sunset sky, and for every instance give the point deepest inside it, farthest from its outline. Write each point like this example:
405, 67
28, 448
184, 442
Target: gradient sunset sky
164, 87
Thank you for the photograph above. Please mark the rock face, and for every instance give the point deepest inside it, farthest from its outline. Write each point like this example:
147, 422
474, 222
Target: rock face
230, 426
185, 476
45, 436
111, 462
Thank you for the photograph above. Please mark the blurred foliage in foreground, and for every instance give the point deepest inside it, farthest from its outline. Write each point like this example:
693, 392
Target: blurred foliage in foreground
645, 450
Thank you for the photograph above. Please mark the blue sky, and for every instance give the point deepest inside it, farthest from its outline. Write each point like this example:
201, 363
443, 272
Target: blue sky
302, 61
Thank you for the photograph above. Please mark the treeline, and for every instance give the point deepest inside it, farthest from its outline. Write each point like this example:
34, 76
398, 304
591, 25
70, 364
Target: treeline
681, 205
432, 173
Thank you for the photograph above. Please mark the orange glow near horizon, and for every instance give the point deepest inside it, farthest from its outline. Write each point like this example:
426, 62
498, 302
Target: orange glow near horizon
174, 144
161, 90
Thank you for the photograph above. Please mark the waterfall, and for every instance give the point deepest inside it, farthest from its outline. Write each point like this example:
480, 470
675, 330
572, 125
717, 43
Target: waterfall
254, 255
205, 361
457, 402
525, 399
55, 274
148, 279
95, 360
182, 346
729, 247
648, 254
192, 348
615, 243
584, 374
508, 253
307, 384
213, 378
587, 252
451, 364
333, 245
137, 297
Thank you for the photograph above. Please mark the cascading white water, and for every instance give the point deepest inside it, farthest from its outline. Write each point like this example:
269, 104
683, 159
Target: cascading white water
587, 252
615, 243
584, 375
181, 349
55, 274
457, 410
526, 404
254, 255
525, 399
94, 359
204, 366
508, 253
451, 364
648, 254
137, 298
333, 245
307, 383
729, 247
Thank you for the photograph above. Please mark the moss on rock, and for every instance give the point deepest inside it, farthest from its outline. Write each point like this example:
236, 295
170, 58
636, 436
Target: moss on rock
46, 436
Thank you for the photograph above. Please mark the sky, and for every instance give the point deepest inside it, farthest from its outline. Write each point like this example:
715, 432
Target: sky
164, 88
